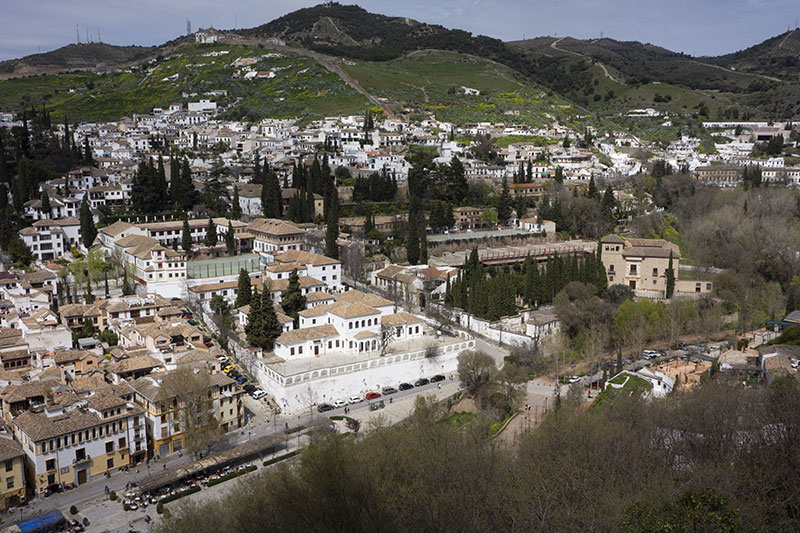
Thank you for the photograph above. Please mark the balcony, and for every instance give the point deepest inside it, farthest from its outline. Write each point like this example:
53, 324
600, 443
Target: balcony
82, 460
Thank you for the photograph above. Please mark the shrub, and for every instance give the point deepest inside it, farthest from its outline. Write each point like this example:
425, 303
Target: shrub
160, 508
112, 496
85, 522
177, 495
124, 506
281, 457
232, 475
73, 510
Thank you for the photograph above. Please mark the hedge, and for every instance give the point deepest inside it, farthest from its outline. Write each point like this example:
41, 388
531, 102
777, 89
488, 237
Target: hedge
231, 475
281, 457
295, 430
177, 495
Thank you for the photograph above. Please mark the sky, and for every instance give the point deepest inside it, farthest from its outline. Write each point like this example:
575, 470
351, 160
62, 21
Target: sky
696, 27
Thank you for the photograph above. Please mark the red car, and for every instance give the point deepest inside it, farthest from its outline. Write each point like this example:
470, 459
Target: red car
372, 395
208, 344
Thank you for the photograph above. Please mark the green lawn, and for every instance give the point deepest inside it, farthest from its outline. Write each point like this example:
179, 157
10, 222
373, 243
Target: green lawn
634, 385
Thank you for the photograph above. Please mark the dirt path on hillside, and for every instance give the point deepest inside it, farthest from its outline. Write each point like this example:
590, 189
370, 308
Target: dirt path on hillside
554, 46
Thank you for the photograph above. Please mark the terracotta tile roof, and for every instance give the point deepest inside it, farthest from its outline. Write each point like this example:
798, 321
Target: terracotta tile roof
301, 335
398, 319
354, 310
305, 258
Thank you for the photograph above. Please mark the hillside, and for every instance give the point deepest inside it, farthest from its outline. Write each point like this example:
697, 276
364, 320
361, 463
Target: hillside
389, 58
778, 57
299, 86
74, 57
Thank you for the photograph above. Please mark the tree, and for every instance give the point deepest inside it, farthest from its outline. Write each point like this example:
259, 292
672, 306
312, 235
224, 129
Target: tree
222, 317
255, 320
271, 327
195, 414
211, 234
88, 229
332, 228
243, 292
230, 240
292, 299
236, 207
127, 289
412, 239
19, 251
423, 244
186, 236
504, 203
45, 205
476, 370
670, 273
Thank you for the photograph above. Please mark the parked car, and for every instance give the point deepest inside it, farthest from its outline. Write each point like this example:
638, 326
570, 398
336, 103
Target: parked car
208, 344
421, 381
405, 386
342, 403
356, 399
388, 390
228, 369
223, 360
437, 378
258, 394
249, 388
574, 379
324, 407
241, 380
372, 395
192, 322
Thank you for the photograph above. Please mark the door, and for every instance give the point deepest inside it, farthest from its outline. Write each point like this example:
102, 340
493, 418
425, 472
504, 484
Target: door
633, 285
316, 349
81, 477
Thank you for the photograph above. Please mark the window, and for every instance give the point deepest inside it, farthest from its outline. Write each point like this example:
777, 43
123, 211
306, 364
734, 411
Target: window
80, 454
655, 272
291, 351
109, 446
9, 465
110, 463
708, 286
10, 482
50, 464
633, 269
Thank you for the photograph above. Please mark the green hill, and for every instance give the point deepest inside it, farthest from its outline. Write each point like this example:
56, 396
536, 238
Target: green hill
301, 87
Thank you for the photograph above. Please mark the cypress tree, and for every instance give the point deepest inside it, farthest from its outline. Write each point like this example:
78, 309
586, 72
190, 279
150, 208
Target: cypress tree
88, 229
272, 328
186, 235
255, 321
45, 204
504, 204
236, 208
423, 242
87, 153
292, 299
230, 240
670, 277
412, 242
332, 229
601, 281
211, 234
244, 291
127, 290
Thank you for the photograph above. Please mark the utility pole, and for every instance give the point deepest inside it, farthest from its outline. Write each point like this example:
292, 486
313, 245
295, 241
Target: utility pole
78, 35
188, 27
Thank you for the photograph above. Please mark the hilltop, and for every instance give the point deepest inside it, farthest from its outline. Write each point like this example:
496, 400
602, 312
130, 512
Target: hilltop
84, 56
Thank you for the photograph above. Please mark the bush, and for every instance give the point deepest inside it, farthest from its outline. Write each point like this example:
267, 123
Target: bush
124, 506
85, 522
281, 457
177, 495
232, 475
112, 496
160, 508
73, 510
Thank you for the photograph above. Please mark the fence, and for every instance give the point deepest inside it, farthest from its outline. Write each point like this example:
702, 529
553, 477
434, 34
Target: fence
227, 266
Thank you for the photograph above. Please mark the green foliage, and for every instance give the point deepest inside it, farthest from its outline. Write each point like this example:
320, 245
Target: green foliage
19, 251
73, 510
292, 299
283, 457
232, 475
244, 289
694, 510
790, 335
178, 495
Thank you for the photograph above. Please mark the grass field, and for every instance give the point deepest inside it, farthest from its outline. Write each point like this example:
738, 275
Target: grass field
430, 81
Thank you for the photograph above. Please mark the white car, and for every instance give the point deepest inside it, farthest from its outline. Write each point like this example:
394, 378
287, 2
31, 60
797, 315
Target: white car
339, 403
356, 399
258, 394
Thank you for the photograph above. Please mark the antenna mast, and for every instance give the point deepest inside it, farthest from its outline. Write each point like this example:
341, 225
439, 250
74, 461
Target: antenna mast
78, 34
188, 27
99, 40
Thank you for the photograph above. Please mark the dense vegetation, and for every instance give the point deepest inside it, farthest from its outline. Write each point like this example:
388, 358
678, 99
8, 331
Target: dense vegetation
723, 459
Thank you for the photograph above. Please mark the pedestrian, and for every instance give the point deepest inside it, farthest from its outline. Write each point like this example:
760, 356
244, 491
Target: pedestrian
165, 466
439, 385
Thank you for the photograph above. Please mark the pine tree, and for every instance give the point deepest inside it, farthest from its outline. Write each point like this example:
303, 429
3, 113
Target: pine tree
332, 229
244, 292
186, 236
211, 234
45, 204
88, 229
236, 208
670, 273
230, 240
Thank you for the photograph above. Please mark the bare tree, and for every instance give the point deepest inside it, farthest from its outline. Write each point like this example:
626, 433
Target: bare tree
190, 392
